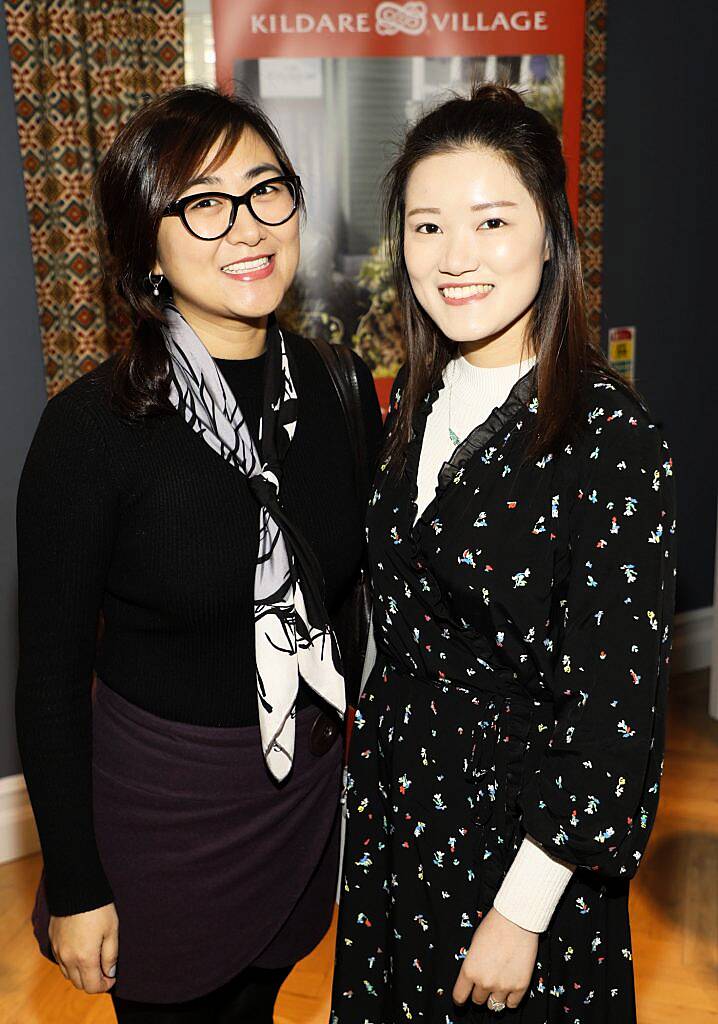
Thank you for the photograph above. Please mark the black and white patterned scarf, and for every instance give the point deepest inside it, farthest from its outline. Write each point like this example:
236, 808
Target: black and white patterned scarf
292, 631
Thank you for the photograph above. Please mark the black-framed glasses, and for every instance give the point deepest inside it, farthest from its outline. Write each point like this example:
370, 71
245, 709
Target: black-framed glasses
211, 215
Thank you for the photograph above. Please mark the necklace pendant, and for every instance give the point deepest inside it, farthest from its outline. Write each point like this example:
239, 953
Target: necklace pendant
454, 438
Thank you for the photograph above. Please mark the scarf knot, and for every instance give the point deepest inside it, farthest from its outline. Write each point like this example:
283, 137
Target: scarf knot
265, 491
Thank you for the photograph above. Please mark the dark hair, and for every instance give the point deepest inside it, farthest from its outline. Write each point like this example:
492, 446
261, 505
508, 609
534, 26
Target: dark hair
148, 165
495, 117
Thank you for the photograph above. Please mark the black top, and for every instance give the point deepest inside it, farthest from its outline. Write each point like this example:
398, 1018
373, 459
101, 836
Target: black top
147, 525
523, 634
549, 582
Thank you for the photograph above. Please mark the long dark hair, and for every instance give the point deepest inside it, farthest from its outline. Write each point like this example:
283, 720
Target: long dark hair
496, 118
148, 165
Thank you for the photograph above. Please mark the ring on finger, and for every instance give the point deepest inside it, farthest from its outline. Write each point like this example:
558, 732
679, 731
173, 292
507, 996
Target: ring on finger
495, 1005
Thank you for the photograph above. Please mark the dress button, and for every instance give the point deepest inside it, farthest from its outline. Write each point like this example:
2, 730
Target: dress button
324, 732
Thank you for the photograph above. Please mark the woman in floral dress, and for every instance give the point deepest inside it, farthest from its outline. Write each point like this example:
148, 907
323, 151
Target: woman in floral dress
506, 758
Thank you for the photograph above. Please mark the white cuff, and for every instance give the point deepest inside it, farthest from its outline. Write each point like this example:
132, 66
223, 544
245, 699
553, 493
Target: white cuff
532, 887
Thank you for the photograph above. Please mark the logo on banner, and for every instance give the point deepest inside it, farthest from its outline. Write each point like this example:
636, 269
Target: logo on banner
412, 18
409, 18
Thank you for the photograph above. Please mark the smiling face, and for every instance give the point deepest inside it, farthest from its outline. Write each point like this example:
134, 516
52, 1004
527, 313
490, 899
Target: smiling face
474, 248
243, 276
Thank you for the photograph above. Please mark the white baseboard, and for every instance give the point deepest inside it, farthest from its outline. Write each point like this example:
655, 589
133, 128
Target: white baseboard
18, 835
692, 640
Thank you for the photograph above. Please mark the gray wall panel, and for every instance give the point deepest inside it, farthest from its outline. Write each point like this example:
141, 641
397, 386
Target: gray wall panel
22, 389
659, 257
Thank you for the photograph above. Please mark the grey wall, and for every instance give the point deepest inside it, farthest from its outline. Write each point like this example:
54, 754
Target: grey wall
22, 390
660, 243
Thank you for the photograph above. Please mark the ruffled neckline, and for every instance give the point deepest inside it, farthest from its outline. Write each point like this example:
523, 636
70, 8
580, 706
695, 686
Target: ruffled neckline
518, 398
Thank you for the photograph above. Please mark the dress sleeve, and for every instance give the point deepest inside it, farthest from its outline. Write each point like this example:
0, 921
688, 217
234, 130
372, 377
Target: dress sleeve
66, 521
594, 796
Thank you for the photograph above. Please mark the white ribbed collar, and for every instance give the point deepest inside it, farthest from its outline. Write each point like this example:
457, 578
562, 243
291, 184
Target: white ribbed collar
473, 391
487, 376
469, 396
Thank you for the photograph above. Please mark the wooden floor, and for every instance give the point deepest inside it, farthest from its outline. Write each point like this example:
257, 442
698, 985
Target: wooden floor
674, 907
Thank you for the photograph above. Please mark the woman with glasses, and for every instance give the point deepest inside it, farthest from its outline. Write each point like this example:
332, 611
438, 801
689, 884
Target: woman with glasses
196, 494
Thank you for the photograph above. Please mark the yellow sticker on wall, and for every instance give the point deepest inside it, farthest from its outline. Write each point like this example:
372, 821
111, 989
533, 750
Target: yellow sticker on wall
622, 351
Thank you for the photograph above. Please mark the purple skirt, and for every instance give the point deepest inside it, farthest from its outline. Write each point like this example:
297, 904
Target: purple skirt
213, 866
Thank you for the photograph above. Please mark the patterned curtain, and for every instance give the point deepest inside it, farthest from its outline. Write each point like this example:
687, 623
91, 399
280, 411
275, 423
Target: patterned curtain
80, 68
591, 181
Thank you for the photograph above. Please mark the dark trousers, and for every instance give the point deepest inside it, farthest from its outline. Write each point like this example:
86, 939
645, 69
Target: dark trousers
247, 999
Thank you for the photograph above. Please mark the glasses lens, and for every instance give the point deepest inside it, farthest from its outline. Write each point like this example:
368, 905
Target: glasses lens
273, 202
209, 216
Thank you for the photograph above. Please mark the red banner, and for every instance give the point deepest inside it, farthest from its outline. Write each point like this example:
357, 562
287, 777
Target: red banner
341, 80
354, 28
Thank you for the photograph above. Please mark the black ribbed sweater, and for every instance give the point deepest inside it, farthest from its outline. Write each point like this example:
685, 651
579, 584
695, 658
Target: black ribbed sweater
147, 526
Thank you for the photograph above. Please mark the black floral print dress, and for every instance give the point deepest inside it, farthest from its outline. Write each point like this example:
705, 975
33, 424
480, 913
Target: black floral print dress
523, 635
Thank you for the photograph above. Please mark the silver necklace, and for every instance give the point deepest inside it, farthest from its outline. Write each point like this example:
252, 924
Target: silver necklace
453, 436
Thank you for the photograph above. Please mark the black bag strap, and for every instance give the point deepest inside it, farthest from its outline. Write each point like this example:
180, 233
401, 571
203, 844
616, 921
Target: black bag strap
340, 365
